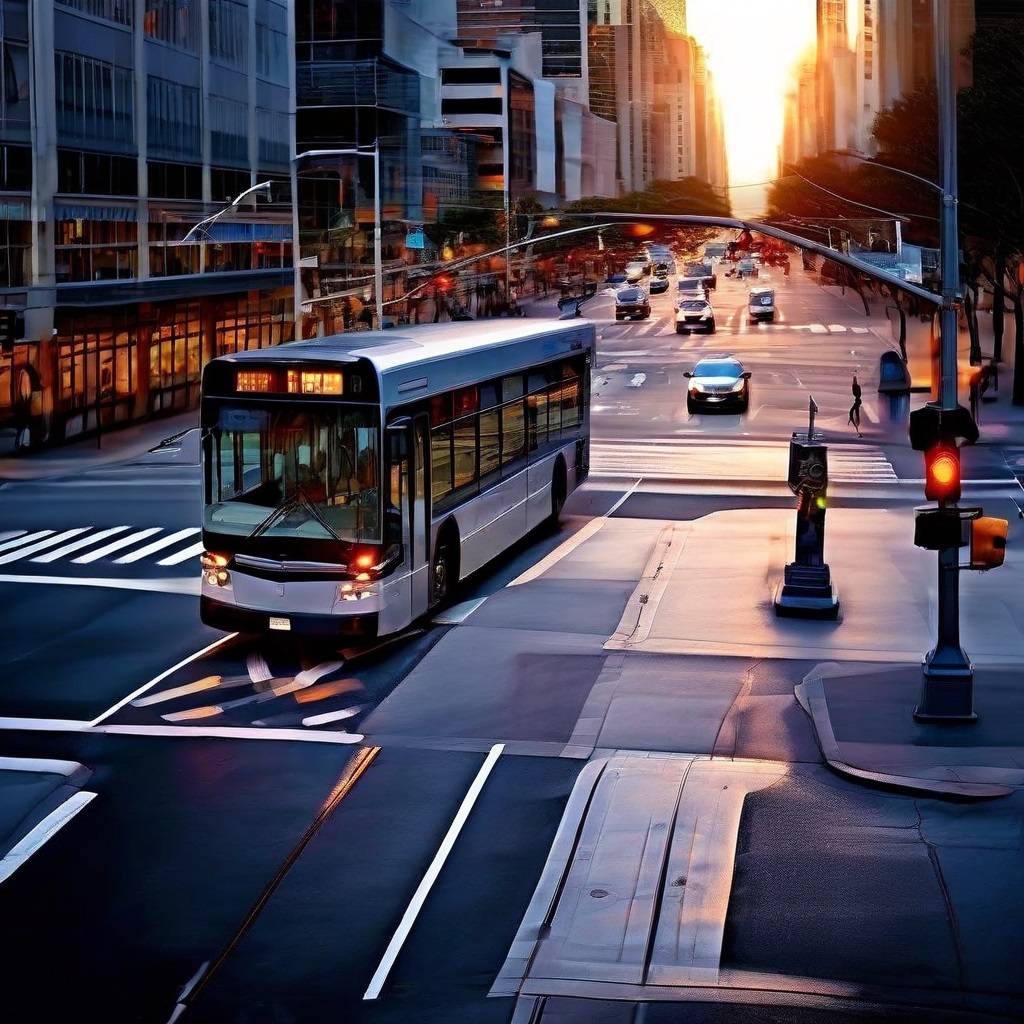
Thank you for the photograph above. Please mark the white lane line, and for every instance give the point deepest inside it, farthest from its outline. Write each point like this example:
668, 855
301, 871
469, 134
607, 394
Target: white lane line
193, 552
228, 732
190, 586
157, 545
116, 545
25, 539
163, 675
41, 545
82, 542
333, 716
45, 830
8, 534
419, 897
39, 764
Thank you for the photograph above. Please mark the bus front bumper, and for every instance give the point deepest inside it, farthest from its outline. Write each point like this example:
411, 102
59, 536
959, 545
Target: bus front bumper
233, 619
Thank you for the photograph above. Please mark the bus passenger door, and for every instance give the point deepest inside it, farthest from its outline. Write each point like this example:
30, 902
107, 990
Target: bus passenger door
420, 527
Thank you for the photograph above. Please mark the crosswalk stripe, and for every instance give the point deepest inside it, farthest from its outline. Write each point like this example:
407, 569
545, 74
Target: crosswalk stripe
157, 545
31, 549
82, 542
25, 539
117, 545
181, 556
8, 534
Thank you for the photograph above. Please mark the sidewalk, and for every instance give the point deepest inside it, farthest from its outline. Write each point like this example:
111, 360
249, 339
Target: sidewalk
121, 445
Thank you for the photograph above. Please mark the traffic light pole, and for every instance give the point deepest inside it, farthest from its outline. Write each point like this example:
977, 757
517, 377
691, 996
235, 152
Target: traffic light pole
948, 678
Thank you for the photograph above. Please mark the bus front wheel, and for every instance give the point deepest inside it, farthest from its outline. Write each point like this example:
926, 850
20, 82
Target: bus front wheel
444, 569
558, 491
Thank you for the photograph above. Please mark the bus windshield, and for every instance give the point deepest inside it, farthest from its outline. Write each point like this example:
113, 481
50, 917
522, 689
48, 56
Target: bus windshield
275, 470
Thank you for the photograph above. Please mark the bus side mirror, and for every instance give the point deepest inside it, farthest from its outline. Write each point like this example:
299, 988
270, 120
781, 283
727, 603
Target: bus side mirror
686, 373
746, 375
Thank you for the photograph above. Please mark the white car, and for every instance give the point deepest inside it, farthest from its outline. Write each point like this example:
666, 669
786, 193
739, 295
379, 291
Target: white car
695, 314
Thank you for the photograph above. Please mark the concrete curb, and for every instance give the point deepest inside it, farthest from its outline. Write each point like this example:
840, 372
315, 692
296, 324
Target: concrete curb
810, 695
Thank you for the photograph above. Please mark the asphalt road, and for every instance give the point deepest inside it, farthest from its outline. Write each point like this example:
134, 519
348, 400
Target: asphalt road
229, 864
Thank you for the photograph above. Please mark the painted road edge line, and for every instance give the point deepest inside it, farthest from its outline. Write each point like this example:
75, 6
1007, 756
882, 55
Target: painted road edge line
43, 832
584, 533
419, 897
163, 675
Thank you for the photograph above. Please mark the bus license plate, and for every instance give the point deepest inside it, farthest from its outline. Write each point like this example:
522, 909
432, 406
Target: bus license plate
280, 623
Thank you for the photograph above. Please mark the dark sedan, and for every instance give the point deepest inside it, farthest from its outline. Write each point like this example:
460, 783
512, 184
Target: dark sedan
632, 304
718, 382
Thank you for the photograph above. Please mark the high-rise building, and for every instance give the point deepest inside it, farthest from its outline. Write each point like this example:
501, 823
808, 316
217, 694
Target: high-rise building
675, 142
622, 35
123, 125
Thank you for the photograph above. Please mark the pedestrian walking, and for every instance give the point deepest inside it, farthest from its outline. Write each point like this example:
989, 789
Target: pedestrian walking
854, 419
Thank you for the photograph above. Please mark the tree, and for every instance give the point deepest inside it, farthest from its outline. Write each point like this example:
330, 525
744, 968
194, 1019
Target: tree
688, 195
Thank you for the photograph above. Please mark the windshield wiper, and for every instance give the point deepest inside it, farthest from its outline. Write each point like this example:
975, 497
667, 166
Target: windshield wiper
297, 500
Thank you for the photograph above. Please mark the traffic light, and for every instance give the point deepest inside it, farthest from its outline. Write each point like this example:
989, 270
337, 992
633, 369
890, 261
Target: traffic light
988, 542
942, 472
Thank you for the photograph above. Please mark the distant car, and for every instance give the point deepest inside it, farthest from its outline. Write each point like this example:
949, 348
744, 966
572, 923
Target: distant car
632, 304
637, 270
715, 251
746, 268
658, 284
695, 315
761, 304
718, 382
691, 288
616, 277
703, 271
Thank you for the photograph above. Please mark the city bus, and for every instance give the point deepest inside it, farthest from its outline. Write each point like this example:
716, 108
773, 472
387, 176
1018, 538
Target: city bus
350, 482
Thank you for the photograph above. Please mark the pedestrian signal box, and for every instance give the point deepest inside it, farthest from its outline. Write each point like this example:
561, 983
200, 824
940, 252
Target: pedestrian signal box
808, 466
988, 542
936, 529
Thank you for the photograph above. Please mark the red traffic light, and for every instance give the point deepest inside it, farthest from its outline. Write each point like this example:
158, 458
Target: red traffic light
942, 473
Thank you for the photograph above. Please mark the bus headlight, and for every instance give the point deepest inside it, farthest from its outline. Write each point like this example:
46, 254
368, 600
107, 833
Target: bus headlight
215, 568
356, 590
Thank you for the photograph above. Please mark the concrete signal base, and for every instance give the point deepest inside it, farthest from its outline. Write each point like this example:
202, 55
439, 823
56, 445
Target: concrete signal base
807, 592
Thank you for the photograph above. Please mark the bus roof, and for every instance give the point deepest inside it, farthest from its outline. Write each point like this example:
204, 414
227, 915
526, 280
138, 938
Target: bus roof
430, 355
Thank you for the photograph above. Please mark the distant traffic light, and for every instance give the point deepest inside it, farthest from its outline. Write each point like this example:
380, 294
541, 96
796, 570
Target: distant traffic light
988, 542
942, 472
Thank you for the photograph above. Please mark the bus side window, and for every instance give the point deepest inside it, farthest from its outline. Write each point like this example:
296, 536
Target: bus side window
513, 433
440, 463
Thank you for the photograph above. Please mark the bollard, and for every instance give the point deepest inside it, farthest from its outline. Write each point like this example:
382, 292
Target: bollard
807, 590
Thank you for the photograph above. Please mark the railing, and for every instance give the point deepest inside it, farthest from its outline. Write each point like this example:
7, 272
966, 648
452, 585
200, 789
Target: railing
367, 83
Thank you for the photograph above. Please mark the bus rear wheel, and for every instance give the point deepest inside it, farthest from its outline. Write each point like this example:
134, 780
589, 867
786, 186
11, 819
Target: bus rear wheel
558, 492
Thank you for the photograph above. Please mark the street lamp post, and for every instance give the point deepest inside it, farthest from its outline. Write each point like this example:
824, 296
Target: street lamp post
378, 261
194, 231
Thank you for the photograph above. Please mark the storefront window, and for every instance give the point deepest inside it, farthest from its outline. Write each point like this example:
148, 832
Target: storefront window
247, 324
96, 362
175, 358
95, 250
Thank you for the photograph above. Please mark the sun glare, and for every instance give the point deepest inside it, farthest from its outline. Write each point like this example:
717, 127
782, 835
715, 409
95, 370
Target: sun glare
755, 50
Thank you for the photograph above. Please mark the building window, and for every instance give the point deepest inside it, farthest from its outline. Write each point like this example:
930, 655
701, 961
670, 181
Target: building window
229, 32
226, 183
15, 109
228, 123
95, 250
15, 168
274, 134
89, 355
257, 324
167, 256
97, 174
471, 106
175, 181
94, 100
272, 51
471, 76
173, 21
15, 253
228, 256
173, 118
175, 358
110, 10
